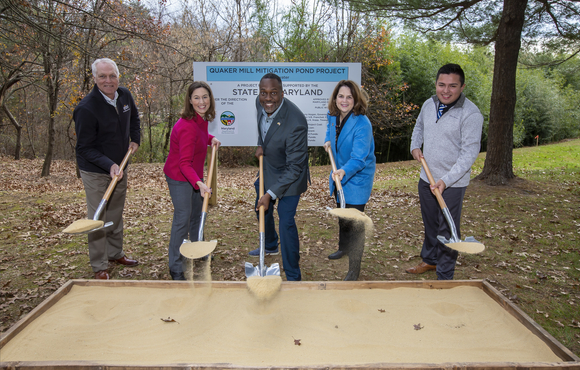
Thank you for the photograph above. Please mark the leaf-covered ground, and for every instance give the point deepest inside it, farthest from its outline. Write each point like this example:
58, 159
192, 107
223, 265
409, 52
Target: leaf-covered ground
531, 231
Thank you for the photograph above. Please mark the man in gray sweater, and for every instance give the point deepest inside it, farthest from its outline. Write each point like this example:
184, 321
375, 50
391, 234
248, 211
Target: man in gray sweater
449, 130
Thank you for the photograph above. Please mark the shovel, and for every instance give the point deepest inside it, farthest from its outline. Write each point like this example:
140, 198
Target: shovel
262, 270
86, 226
201, 248
469, 245
339, 191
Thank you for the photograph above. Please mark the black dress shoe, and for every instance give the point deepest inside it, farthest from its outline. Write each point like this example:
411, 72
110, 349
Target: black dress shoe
177, 275
336, 255
351, 276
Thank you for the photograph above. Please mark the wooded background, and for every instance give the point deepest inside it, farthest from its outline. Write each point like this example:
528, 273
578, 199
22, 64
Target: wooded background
520, 58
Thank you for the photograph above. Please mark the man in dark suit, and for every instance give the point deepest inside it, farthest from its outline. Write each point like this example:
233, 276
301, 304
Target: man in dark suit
283, 141
107, 124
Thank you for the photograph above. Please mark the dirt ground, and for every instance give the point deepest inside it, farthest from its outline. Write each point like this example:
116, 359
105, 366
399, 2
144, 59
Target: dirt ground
530, 230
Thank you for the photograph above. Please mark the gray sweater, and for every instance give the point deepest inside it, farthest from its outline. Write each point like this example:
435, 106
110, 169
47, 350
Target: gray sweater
450, 145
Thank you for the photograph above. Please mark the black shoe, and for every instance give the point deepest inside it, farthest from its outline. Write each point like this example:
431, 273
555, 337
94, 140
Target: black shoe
256, 252
351, 276
336, 255
177, 275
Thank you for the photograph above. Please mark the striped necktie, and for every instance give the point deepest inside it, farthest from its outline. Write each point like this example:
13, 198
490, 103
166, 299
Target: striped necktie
440, 110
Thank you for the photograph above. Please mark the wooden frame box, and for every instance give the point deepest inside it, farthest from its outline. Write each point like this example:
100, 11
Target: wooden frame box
567, 360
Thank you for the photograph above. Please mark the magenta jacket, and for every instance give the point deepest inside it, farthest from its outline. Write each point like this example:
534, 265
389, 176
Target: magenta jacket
187, 150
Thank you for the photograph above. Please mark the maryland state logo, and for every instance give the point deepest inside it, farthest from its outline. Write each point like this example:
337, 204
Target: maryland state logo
227, 118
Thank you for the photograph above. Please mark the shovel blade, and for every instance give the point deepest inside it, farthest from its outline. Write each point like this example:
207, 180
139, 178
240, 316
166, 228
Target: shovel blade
198, 249
95, 227
252, 270
469, 245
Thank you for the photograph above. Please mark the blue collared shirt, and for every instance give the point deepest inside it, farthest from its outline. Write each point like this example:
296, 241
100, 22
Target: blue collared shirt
266, 121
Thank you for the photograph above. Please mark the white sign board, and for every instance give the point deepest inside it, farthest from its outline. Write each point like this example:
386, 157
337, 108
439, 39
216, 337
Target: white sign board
235, 88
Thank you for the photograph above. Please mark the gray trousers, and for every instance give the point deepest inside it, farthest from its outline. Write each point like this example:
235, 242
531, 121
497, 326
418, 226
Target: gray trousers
187, 205
434, 252
105, 244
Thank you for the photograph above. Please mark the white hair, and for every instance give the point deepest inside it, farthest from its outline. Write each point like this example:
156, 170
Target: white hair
104, 60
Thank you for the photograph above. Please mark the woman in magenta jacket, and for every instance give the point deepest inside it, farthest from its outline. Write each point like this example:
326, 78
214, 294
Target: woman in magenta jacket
184, 169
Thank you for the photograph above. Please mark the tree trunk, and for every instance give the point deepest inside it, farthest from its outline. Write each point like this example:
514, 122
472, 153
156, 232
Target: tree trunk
498, 166
52, 84
170, 120
50, 145
3, 93
18, 127
150, 132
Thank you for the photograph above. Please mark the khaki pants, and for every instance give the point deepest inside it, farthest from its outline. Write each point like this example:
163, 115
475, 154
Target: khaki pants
105, 244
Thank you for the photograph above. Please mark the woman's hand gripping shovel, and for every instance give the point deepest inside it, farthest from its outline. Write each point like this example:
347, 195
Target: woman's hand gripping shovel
86, 226
201, 248
263, 281
469, 245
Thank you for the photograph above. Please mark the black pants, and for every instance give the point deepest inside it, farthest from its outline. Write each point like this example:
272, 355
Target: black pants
344, 226
434, 252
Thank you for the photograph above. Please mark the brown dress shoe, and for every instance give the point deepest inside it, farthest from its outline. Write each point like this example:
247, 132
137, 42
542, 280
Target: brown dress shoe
102, 275
421, 268
125, 261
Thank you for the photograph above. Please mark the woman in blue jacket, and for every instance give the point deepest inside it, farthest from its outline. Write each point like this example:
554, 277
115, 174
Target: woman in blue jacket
349, 134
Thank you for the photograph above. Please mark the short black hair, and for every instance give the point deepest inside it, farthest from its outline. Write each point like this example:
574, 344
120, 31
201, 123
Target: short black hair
451, 68
271, 76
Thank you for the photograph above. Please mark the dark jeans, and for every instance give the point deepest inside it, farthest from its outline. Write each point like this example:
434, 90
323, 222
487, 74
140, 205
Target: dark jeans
187, 204
434, 252
289, 242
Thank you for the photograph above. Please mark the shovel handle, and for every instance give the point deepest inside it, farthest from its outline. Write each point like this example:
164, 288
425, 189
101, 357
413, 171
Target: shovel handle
432, 181
113, 182
261, 210
209, 177
333, 164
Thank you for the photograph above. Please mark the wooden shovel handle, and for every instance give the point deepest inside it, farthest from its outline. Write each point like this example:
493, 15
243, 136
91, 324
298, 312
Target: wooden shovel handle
116, 177
333, 164
209, 176
432, 181
261, 210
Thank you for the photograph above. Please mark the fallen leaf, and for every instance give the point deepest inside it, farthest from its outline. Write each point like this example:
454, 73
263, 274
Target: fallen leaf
169, 319
418, 326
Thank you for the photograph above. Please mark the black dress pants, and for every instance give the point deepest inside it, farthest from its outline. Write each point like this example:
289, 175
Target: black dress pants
434, 252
